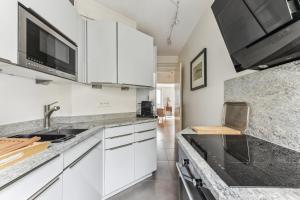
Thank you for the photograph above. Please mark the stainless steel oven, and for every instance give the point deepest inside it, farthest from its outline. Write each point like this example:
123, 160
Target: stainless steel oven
44, 48
191, 185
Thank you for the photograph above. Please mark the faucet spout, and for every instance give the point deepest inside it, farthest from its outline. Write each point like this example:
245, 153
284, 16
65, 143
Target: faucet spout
48, 111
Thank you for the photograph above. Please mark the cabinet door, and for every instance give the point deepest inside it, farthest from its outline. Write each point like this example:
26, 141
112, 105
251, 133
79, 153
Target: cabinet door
119, 167
9, 30
145, 157
102, 51
135, 57
82, 52
52, 190
82, 179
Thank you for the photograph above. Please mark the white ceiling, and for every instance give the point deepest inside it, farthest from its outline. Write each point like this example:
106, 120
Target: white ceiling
154, 17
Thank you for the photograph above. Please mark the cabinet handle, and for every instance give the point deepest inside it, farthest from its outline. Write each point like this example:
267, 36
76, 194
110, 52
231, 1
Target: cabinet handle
43, 189
114, 148
120, 136
146, 131
73, 164
145, 140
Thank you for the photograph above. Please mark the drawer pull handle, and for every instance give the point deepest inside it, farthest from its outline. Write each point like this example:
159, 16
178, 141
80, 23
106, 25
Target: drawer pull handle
119, 136
146, 131
146, 140
43, 189
114, 148
73, 164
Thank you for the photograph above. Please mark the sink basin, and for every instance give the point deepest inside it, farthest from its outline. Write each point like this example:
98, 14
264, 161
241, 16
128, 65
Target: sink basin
53, 136
67, 131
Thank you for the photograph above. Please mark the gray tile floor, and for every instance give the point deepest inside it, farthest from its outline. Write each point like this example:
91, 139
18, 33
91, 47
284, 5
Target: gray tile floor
163, 185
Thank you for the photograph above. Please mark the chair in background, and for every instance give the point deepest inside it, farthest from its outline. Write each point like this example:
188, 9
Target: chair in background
161, 114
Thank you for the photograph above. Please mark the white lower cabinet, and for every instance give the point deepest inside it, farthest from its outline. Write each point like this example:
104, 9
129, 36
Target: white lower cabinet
53, 190
119, 167
82, 179
145, 157
42, 183
130, 156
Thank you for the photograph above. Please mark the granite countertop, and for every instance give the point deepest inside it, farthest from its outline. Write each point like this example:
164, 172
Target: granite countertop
26, 166
221, 190
107, 123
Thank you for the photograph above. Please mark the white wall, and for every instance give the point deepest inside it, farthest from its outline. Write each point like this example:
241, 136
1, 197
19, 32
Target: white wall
89, 101
204, 106
23, 100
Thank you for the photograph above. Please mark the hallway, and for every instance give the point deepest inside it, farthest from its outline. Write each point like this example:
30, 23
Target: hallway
163, 185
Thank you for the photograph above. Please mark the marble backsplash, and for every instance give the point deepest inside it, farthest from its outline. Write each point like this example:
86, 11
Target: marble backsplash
274, 98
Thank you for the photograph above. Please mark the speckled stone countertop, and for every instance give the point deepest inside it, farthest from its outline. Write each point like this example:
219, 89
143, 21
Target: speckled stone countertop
221, 190
107, 123
21, 168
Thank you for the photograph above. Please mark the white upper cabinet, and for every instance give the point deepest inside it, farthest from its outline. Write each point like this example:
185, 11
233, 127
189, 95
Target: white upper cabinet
82, 51
102, 51
135, 57
9, 30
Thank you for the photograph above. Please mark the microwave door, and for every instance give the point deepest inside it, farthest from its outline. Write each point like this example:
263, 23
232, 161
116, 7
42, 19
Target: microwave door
44, 48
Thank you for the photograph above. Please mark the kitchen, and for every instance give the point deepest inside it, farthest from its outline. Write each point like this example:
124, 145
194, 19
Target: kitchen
75, 75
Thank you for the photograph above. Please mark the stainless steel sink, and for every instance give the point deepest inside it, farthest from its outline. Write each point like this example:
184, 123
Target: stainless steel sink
53, 136
66, 131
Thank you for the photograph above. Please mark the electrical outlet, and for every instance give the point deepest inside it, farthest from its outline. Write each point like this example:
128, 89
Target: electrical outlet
104, 104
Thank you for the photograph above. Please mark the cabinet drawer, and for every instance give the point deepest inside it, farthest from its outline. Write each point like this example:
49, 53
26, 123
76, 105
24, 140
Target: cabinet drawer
119, 141
145, 135
118, 131
145, 126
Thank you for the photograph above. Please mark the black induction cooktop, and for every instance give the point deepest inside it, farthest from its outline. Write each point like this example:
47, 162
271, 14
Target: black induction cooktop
247, 161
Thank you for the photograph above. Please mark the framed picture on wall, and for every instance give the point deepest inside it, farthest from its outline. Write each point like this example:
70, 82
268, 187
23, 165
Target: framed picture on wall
198, 71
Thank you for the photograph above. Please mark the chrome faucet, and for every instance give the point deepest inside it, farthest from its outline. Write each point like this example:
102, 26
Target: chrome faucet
48, 112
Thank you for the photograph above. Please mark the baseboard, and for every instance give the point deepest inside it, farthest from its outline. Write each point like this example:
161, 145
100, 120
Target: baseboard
126, 187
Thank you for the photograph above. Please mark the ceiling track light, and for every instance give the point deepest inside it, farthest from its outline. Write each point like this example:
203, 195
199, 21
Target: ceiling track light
175, 21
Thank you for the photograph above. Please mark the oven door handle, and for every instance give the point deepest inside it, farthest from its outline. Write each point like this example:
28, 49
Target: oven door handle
184, 178
205, 193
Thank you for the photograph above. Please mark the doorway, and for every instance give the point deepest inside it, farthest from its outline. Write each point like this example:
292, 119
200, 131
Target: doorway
169, 95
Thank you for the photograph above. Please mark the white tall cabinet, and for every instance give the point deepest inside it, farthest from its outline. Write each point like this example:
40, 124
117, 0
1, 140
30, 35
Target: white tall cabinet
102, 51
135, 57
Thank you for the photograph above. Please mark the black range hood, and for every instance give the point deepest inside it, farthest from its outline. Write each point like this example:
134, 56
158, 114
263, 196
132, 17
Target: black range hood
259, 33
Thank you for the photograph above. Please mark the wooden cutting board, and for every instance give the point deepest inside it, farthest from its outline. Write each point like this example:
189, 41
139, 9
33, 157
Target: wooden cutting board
215, 130
13, 150
8, 145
